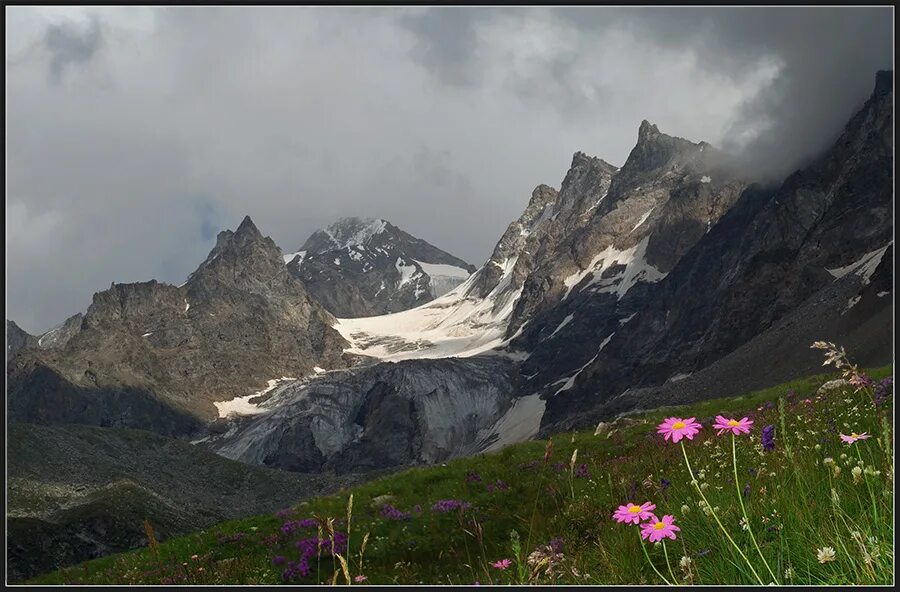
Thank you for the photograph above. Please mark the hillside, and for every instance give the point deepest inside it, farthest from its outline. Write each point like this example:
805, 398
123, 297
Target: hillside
449, 524
79, 492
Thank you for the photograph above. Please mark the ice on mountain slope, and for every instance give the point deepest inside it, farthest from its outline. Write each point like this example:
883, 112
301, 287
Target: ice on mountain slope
241, 406
864, 266
520, 422
290, 257
459, 323
443, 277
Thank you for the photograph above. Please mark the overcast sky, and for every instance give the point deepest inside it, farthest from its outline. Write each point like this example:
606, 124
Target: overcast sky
135, 134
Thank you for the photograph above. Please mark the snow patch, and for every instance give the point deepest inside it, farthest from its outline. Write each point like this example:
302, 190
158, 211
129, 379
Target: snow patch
570, 381
443, 277
865, 266
147, 334
564, 322
643, 219
626, 319
187, 305
705, 179
242, 406
636, 270
880, 294
678, 377
407, 272
455, 324
290, 257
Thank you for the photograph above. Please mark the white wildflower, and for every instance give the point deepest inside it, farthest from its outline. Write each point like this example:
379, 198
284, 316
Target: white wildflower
825, 554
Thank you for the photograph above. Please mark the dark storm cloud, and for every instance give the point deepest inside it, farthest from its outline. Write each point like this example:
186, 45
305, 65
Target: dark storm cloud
828, 57
70, 44
439, 120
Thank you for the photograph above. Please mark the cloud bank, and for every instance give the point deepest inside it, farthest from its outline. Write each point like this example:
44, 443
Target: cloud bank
134, 135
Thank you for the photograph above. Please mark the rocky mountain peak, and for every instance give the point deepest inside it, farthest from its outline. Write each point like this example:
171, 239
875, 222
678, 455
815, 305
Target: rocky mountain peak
367, 266
248, 230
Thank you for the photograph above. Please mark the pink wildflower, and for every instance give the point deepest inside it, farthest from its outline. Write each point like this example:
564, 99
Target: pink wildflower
360, 579
678, 428
634, 514
502, 564
854, 437
657, 529
737, 427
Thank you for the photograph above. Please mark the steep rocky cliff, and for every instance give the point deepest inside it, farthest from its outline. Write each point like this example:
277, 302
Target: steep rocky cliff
240, 320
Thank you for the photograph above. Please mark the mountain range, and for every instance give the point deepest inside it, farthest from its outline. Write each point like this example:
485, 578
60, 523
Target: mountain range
673, 278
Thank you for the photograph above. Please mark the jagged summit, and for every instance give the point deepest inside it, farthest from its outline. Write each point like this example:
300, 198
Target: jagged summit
367, 266
247, 228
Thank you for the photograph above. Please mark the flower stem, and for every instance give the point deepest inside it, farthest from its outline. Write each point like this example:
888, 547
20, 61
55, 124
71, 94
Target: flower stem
716, 517
669, 565
744, 509
868, 486
647, 555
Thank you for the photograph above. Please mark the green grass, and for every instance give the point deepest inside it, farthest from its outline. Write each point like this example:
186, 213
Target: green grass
796, 503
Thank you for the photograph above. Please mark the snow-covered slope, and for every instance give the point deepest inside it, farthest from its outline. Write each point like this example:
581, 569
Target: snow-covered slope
460, 323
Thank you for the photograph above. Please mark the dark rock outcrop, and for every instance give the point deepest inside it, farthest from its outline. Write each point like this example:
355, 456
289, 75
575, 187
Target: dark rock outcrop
17, 339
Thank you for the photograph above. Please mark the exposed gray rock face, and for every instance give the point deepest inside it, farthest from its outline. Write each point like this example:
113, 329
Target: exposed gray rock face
360, 267
631, 225
80, 492
59, 336
769, 274
17, 339
381, 416
240, 320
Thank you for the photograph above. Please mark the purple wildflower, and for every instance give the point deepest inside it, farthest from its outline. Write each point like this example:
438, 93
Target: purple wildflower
278, 560
883, 390
392, 513
448, 505
768, 437
473, 477
582, 471
556, 544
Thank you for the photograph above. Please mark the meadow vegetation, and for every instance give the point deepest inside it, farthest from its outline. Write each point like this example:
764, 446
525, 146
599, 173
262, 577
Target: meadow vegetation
795, 486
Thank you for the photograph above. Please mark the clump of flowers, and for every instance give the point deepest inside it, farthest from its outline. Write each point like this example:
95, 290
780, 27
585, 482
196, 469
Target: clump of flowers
582, 471
545, 559
825, 554
768, 438
391, 513
502, 564
311, 548
473, 477
292, 526
498, 485
449, 505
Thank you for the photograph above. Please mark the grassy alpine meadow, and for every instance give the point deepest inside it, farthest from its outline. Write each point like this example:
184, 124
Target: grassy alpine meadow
792, 485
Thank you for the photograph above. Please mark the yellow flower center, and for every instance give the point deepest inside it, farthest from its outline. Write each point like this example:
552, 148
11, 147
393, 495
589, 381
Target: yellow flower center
659, 526
677, 425
733, 423
854, 435
635, 509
